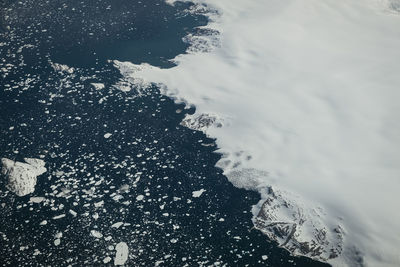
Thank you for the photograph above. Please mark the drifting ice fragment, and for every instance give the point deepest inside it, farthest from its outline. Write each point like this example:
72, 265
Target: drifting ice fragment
198, 193
22, 177
121, 254
98, 86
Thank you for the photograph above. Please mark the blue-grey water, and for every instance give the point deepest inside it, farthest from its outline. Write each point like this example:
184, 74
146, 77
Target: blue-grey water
62, 118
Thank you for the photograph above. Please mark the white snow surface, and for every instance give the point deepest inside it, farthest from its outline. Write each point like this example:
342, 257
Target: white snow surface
22, 177
310, 91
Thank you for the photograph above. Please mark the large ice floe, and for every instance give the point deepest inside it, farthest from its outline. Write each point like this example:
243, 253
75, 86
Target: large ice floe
22, 176
302, 97
121, 253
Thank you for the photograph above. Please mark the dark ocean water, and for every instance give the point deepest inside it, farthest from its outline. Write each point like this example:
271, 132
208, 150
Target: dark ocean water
62, 118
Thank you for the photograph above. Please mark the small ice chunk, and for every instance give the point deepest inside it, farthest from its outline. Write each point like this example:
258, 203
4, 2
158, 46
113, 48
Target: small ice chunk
58, 235
43, 222
95, 216
107, 259
198, 193
107, 135
117, 197
62, 68
58, 216
139, 197
158, 263
121, 254
57, 242
98, 86
73, 213
117, 225
96, 234
264, 257
36, 199
99, 204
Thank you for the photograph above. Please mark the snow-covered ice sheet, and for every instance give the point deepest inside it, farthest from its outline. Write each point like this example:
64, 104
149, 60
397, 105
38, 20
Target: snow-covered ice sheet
310, 93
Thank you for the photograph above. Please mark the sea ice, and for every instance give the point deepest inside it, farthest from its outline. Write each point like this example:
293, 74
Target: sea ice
73, 213
57, 242
121, 253
62, 68
198, 193
98, 86
58, 216
36, 199
117, 225
22, 177
96, 234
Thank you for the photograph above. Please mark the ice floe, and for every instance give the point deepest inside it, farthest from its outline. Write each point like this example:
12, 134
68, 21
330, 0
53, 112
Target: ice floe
107, 135
62, 68
98, 86
22, 177
121, 253
198, 193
